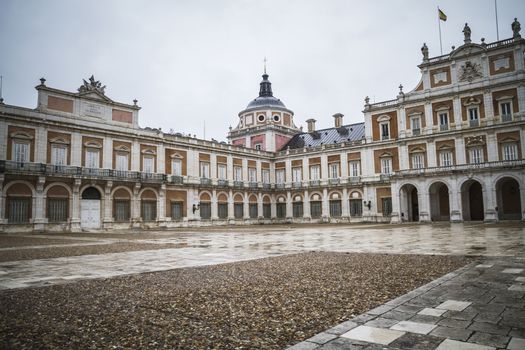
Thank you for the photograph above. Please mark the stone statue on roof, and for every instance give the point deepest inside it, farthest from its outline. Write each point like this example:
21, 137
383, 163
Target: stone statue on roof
424, 51
516, 27
92, 85
467, 32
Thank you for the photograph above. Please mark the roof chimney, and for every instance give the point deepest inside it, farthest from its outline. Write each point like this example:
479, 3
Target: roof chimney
338, 119
311, 125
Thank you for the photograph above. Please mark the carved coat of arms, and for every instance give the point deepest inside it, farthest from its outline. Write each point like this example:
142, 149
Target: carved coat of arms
470, 71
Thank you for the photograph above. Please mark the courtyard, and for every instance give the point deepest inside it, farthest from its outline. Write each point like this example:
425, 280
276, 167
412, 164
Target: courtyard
260, 287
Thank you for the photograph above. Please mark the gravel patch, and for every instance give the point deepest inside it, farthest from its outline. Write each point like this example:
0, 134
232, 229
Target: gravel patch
259, 304
57, 252
7, 241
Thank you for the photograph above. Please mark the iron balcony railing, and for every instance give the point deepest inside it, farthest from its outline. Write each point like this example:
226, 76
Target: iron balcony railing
335, 181
505, 164
416, 132
443, 127
354, 179
315, 183
506, 118
222, 183
205, 181
238, 184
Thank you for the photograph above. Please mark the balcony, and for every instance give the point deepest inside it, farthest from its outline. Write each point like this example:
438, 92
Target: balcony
334, 181
279, 186
222, 183
463, 168
443, 127
238, 184
416, 132
205, 181
253, 185
177, 180
354, 179
297, 185
315, 183
506, 118
474, 122
267, 186
384, 177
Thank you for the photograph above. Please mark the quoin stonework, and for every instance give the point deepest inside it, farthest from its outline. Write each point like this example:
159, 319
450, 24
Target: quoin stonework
451, 149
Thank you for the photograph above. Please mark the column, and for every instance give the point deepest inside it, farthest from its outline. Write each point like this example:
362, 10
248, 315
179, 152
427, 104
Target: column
460, 151
214, 207
246, 203
75, 206
161, 159
76, 149
306, 205
325, 205
108, 205
39, 205
3, 136
345, 205
489, 200
213, 168
107, 153
492, 147
2, 201
273, 207
458, 119
454, 193
424, 204
161, 205
259, 202
135, 206
344, 167
289, 208
489, 108
431, 154
135, 156
428, 116
324, 168
40, 146
231, 215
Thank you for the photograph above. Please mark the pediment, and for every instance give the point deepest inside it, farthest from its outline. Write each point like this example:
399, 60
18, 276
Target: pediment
94, 95
467, 50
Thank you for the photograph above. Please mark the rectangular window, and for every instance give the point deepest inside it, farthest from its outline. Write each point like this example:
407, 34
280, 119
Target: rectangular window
266, 176
334, 170
149, 210
510, 151
92, 158
335, 208
386, 165
418, 161
205, 210
385, 131
316, 209
237, 173
476, 155
506, 111
279, 176
355, 168
315, 172
443, 121
297, 174
387, 206
122, 210
176, 167
57, 209
473, 116
267, 210
281, 210
58, 155
238, 210
356, 208
221, 171
176, 211
445, 158
222, 209
297, 209
252, 209
415, 124
258, 146
121, 160
148, 162
20, 152
252, 175
19, 210
205, 170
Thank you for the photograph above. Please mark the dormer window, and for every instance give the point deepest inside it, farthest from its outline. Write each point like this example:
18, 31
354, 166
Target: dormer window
258, 146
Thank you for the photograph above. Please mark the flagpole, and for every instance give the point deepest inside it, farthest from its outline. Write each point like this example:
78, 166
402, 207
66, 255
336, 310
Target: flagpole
439, 25
496, 10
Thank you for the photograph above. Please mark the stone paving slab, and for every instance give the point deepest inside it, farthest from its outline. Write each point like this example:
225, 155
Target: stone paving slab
428, 318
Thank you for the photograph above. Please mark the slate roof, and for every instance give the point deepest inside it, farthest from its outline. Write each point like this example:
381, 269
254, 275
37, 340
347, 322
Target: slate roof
330, 136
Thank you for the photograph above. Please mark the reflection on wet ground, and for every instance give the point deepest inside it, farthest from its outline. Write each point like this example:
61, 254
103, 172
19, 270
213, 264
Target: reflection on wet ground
221, 245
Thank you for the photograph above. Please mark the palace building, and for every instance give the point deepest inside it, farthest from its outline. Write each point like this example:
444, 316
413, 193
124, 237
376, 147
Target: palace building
449, 150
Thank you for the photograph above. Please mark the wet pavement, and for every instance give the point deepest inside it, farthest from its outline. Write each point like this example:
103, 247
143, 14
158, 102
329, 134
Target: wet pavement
220, 245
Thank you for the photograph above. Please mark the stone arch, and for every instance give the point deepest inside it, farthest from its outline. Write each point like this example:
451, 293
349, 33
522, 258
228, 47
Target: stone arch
238, 198
222, 197
439, 196
19, 197
57, 202
266, 199
409, 202
148, 204
120, 189
58, 184
508, 198
252, 198
472, 201
99, 188
205, 196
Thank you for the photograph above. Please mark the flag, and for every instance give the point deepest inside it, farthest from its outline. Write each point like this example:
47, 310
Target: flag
442, 15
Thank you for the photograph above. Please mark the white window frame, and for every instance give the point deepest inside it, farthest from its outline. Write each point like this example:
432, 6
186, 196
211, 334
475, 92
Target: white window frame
476, 155
121, 161
297, 174
21, 151
58, 154
265, 176
148, 163
418, 160
445, 158
415, 121
333, 169
237, 173
92, 161
355, 168
473, 114
176, 166
509, 151
381, 125
507, 116
252, 174
386, 165
443, 115
204, 169
315, 172
280, 176
222, 171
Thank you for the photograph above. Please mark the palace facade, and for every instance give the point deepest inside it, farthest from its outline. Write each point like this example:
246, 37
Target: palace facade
449, 150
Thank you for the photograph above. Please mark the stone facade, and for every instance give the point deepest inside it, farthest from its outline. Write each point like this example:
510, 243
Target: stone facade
449, 150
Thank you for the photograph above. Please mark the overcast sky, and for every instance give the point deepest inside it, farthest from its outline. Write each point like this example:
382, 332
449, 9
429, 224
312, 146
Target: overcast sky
193, 61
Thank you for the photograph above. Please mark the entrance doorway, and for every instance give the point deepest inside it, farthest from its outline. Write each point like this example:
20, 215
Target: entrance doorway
409, 203
472, 201
439, 202
508, 198
90, 208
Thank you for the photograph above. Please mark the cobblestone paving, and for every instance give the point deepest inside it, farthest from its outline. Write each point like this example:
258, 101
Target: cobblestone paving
214, 246
478, 307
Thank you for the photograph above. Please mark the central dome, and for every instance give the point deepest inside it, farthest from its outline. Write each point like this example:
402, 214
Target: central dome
265, 98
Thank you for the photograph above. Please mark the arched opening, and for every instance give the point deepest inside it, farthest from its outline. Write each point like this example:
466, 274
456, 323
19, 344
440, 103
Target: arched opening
19, 199
472, 201
297, 206
148, 205
205, 206
335, 205
409, 203
222, 206
90, 208
238, 206
355, 204
267, 207
439, 202
281, 207
121, 205
57, 204
252, 208
316, 206
508, 199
